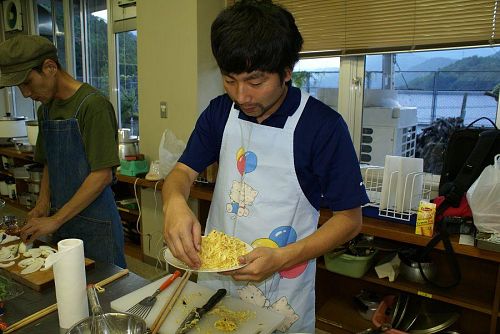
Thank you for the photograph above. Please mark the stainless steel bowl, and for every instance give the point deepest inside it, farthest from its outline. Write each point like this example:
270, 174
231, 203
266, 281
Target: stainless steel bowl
124, 323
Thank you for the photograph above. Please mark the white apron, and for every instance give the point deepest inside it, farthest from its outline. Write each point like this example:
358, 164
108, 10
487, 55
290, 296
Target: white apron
269, 210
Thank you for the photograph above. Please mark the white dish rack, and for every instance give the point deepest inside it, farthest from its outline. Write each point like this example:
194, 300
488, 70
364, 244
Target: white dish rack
417, 186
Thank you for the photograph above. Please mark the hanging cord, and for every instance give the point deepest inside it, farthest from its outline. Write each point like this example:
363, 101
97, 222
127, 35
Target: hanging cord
138, 206
159, 241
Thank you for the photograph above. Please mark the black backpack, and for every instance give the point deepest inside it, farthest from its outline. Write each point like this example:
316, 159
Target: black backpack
469, 151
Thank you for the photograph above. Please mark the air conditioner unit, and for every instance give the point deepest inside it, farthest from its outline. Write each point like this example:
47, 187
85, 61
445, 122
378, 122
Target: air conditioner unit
12, 15
388, 131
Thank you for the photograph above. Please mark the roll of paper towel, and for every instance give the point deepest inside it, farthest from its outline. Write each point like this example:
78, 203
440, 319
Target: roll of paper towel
70, 281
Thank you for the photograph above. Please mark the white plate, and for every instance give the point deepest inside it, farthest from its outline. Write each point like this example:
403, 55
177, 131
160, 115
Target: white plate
172, 260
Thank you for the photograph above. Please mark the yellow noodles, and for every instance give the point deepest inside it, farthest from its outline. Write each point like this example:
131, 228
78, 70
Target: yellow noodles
229, 320
221, 251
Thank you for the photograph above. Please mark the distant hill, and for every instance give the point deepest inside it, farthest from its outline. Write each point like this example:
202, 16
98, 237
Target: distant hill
406, 79
471, 73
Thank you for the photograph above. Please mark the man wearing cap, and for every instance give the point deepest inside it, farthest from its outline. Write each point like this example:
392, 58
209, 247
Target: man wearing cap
77, 143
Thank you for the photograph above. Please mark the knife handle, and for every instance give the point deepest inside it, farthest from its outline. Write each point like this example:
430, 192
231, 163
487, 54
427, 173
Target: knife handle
213, 300
169, 280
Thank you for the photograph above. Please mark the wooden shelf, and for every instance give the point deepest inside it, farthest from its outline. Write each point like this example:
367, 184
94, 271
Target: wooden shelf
13, 153
130, 211
14, 204
462, 295
198, 190
406, 234
6, 172
335, 308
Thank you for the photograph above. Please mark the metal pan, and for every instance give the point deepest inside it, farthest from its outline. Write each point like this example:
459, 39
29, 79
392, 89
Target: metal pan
402, 310
411, 313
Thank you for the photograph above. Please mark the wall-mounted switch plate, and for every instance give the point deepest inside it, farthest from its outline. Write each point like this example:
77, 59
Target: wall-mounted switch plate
163, 109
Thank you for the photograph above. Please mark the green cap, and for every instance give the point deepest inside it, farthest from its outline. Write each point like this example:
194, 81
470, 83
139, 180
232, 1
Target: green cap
20, 54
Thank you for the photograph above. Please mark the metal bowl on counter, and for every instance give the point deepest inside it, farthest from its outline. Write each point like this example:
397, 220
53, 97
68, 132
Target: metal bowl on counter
121, 322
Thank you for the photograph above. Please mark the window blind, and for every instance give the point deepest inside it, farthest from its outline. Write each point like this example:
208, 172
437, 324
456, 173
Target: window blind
346, 27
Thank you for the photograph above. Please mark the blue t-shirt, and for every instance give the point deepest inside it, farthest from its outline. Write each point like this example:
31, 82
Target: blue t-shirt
325, 160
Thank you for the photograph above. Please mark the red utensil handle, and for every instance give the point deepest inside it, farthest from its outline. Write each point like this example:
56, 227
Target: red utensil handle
169, 281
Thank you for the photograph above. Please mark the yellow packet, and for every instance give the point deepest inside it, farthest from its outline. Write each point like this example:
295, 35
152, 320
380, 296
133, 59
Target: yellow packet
425, 218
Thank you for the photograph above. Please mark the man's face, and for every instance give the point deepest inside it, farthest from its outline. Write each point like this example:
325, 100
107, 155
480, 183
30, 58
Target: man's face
258, 94
39, 86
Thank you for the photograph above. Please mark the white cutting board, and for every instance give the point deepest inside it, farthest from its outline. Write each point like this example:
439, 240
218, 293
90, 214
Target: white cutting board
194, 295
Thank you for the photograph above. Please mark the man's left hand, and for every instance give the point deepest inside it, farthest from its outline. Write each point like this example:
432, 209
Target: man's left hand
262, 262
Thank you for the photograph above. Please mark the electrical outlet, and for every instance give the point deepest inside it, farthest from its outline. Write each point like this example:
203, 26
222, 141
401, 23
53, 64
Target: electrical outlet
163, 109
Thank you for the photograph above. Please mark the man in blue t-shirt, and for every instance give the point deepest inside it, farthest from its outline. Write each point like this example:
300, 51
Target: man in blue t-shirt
281, 155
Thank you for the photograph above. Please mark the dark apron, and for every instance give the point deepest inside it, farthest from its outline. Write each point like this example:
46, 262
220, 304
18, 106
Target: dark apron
99, 224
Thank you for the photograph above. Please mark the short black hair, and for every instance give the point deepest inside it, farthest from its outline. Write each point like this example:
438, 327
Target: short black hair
255, 35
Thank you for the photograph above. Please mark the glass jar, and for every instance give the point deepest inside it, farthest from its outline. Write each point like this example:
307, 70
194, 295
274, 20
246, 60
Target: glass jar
11, 185
12, 225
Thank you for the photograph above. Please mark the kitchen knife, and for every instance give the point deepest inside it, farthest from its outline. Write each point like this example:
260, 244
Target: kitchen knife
195, 315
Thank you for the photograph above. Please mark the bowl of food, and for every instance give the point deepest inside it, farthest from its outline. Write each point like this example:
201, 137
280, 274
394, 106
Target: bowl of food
9, 289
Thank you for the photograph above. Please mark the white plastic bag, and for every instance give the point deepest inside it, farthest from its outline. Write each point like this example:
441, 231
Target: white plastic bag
169, 151
484, 198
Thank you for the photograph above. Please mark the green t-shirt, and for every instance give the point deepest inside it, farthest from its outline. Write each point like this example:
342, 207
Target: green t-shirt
97, 122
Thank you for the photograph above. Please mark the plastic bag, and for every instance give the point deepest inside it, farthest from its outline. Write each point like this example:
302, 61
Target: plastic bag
169, 151
484, 198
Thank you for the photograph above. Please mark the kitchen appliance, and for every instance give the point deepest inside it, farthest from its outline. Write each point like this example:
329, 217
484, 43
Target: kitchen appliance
11, 127
388, 131
12, 15
128, 145
128, 148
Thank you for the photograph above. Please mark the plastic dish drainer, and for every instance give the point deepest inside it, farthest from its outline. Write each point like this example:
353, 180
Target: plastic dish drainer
400, 202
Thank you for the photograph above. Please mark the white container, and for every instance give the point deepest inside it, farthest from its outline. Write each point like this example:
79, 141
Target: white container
34, 188
20, 172
35, 172
32, 130
12, 190
7, 162
4, 189
11, 127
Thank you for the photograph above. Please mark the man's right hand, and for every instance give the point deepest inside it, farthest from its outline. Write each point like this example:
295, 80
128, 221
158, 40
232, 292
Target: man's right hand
182, 233
181, 228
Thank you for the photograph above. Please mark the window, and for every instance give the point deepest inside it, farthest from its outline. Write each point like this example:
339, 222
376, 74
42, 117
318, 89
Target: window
319, 77
126, 52
96, 25
46, 11
413, 99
